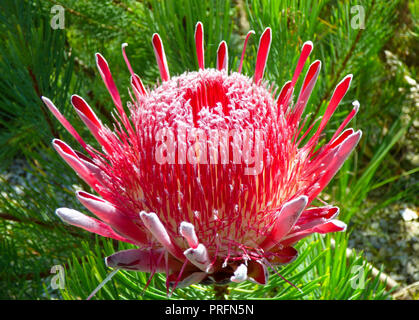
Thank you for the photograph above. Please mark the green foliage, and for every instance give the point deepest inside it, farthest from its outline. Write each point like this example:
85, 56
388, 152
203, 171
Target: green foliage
36, 60
320, 272
33, 63
175, 22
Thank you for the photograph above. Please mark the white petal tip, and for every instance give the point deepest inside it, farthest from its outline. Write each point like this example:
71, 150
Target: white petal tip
147, 215
340, 224
240, 274
186, 226
59, 212
356, 105
108, 262
67, 215
303, 199
308, 43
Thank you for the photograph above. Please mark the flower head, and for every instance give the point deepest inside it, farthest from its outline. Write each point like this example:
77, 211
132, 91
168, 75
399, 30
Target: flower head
207, 175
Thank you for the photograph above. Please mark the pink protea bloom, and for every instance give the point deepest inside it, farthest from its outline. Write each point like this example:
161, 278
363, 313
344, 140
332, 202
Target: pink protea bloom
207, 211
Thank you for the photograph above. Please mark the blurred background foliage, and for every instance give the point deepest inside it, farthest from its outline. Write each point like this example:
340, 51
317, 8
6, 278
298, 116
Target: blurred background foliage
379, 181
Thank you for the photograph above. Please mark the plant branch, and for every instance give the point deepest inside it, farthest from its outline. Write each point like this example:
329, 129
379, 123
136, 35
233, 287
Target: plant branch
220, 292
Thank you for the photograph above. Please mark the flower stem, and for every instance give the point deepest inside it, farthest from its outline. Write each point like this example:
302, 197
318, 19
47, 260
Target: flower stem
221, 292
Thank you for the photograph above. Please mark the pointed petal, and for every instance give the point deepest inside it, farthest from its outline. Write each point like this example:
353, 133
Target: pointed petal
284, 255
148, 260
63, 121
94, 170
285, 220
154, 225
138, 85
72, 159
124, 54
105, 211
345, 134
187, 230
329, 226
262, 55
199, 43
90, 119
136, 82
84, 109
80, 220
311, 77
282, 95
347, 120
337, 97
308, 215
341, 153
257, 272
222, 56
199, 257
135, 79
240, 274
160, 57
322, 155
305, 92
316, 217
305, 52
106, 75
244, 50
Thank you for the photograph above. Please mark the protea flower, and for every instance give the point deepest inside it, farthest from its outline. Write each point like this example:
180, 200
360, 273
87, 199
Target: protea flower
207, 176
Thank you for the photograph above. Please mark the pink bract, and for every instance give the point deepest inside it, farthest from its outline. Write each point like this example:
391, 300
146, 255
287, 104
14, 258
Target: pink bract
202, 221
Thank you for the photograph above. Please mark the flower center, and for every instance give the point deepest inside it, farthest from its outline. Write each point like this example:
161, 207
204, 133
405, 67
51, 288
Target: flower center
206, 152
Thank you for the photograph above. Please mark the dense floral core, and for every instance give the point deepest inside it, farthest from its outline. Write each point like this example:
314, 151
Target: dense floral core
229, 209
